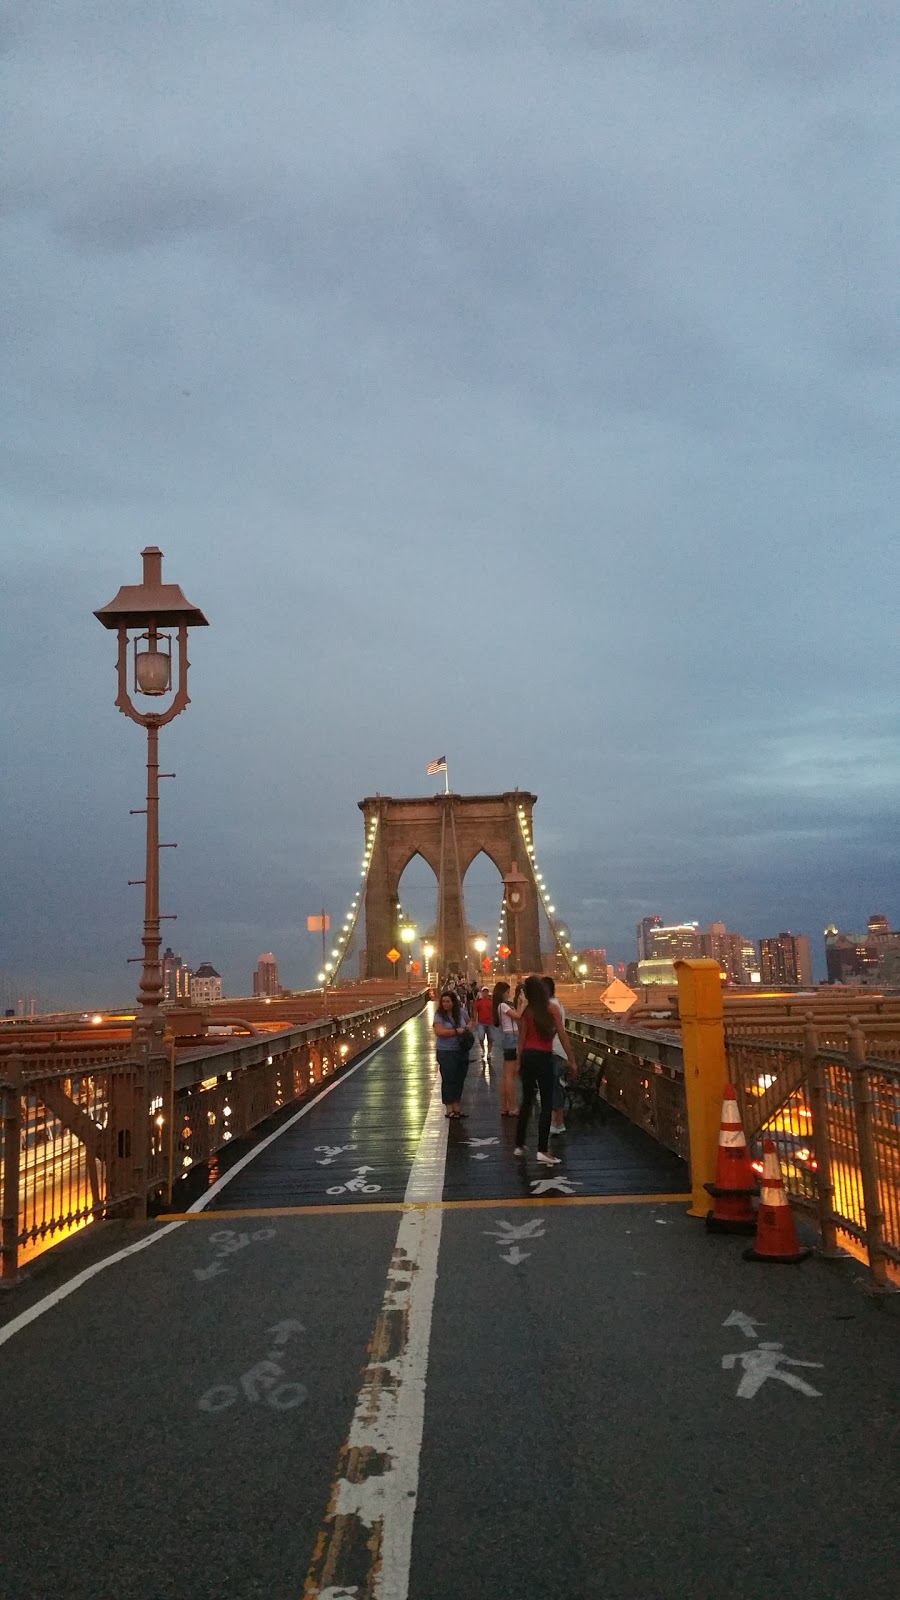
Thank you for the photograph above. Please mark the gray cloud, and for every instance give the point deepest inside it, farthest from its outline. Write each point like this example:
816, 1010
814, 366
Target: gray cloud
520, 379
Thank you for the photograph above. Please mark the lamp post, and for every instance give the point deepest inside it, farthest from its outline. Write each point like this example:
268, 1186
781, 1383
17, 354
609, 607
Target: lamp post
139, 614
407, 935
479, 945
427, 955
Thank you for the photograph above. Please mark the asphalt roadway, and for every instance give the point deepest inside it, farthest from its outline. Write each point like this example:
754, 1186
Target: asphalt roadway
494, 1390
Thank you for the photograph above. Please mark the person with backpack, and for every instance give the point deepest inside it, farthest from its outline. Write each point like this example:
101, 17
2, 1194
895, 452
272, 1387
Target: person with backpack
539, 1025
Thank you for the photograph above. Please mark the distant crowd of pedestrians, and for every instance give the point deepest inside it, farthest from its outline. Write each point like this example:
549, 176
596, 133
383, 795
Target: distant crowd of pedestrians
530, 1029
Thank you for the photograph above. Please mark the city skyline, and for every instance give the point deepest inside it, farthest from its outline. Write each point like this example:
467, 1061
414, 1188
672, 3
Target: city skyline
589, 312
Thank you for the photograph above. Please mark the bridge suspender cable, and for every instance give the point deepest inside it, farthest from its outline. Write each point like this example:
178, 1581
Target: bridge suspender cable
560, 934
344, 938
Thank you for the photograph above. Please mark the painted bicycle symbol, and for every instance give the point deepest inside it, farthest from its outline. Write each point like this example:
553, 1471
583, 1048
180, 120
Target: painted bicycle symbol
259, 1385
356, 1185
227, 1241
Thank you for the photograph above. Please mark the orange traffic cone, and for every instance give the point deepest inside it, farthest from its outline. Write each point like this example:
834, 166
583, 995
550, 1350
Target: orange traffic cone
735, 1179
776, 1236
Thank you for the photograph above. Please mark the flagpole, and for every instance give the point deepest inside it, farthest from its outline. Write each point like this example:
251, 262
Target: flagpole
446, 779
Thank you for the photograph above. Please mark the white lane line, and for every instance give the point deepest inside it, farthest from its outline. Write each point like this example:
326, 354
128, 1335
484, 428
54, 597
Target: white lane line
65, 1289
369, 1522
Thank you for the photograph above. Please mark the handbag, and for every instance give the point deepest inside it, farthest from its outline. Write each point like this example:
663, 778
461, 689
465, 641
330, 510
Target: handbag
466, 1040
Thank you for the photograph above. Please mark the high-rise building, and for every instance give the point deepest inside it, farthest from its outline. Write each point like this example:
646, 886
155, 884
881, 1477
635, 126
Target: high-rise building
852, 957
730, 950
206, 985
786, 960
667, 943
265, 978
596, 963
176, 976
644, 929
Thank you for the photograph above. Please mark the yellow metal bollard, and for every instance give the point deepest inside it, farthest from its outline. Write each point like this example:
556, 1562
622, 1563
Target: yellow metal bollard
705, 1069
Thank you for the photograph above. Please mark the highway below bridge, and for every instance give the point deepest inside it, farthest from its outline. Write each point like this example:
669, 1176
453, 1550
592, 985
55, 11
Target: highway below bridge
384, 1357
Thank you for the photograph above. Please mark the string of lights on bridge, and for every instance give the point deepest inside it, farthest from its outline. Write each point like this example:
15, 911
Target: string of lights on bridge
332, 967
560, 934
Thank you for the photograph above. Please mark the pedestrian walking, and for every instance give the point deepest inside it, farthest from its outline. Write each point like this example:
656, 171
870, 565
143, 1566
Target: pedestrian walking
453, 1041
538, 1027
484, 1017
506, 1023
560, 1062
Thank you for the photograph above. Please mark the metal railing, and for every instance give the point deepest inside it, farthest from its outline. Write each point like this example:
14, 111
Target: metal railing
83, 1139
834, 1117
639, 1073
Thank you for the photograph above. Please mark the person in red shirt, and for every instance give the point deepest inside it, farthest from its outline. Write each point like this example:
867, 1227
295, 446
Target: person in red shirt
539, 1025
484, 1017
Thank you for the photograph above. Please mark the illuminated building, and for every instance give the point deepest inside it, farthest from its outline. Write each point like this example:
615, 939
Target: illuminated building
265, 978
786, 961
678, 939
731, 950
852, 957
644, 929
176, 976
206, 985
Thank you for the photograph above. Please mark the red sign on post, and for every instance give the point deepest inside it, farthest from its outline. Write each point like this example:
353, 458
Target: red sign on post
504, 951
393, 955
319, 924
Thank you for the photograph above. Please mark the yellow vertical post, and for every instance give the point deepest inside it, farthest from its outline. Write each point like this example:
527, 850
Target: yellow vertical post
705, 1069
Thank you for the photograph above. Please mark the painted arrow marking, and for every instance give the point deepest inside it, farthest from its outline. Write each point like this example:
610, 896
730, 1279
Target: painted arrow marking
214, 1270
747, 1325
480, 1155
329, 1151
474, 1142
508, 1231
564, 1185
514, 1255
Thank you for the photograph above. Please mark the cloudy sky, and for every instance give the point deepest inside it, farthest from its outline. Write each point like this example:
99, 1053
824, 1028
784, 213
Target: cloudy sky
510, 379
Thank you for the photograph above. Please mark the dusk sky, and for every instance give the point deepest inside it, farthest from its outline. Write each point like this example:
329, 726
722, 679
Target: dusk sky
514, 380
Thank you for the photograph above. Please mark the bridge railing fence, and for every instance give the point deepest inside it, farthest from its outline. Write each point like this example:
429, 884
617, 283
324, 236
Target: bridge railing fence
834, 1117
83, 1139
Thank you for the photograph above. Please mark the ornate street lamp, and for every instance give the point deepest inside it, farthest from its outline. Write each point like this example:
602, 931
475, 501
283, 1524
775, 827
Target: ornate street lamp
140, 614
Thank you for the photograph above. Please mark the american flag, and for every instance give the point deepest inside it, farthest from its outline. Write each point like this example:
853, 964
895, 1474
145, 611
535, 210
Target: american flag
434, 767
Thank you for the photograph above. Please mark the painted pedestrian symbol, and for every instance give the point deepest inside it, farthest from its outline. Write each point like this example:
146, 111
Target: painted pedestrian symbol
564, 1185
331, 1151
506, 1233
768, 1361
356, 1185
477, 1154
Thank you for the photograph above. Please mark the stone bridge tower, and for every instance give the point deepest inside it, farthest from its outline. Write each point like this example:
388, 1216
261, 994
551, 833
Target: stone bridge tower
448, 831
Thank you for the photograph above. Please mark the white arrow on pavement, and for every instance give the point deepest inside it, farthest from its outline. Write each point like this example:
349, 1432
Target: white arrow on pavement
282, 1331
544, 1185
480, 1155
747, 1325
363, 1170
522, 1230
214, 1270
514, 1255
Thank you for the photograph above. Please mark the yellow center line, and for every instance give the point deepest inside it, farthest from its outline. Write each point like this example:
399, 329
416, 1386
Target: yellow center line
361, 1208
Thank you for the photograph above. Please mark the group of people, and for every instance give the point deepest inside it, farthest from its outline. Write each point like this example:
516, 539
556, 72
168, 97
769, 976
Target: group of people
536, 1048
